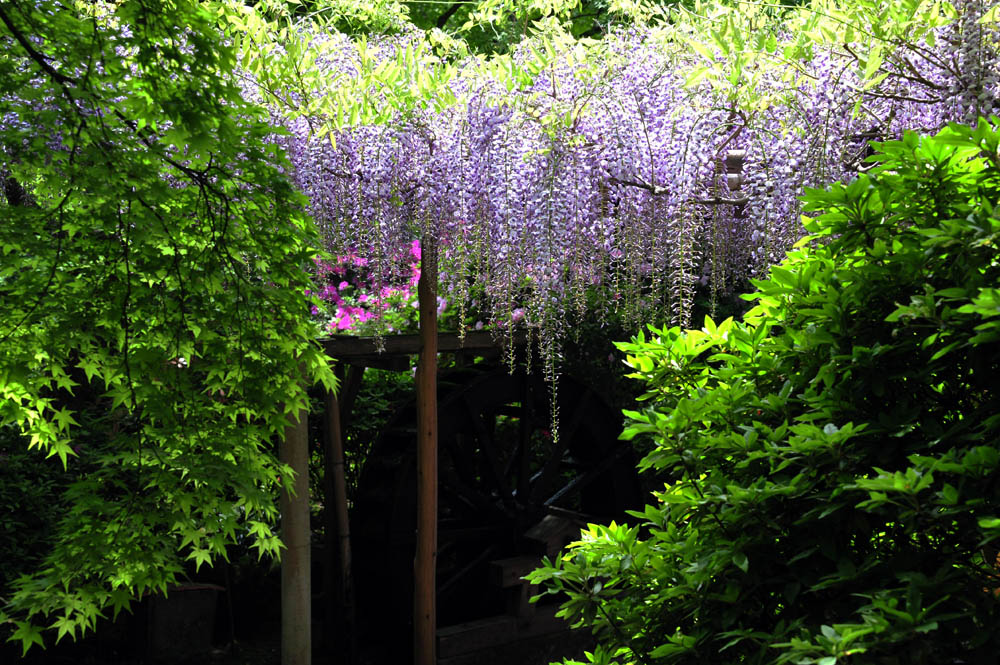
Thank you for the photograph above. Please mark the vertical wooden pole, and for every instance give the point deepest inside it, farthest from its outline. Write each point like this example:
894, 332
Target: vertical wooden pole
425, 562
340, 605
296, 608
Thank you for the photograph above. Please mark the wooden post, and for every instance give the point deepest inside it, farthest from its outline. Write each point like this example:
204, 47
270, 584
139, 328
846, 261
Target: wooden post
340, 598
296, 607
425, 562
734, 177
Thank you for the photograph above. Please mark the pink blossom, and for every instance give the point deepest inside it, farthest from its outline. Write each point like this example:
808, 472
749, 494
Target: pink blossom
517, 314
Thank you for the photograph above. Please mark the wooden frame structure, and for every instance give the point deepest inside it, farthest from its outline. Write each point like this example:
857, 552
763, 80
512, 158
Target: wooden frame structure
358, 353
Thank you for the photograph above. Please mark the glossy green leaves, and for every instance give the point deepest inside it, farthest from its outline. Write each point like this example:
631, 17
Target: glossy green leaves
828, 465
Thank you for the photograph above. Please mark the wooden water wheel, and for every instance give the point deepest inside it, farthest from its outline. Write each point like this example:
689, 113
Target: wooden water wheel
501, 473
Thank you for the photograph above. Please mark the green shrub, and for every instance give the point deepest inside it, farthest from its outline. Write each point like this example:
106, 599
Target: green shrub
831, 489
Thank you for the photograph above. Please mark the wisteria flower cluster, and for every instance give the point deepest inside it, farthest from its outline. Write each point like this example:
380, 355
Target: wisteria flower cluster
613, 169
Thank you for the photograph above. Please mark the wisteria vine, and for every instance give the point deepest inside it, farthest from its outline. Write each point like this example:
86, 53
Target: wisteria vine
607, 173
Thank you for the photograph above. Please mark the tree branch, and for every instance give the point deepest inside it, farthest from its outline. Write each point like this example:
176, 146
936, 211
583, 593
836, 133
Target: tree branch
447, 14
656, 190
35, 55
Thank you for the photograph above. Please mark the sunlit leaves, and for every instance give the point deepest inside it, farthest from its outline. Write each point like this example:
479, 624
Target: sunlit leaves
155, 323
827, 465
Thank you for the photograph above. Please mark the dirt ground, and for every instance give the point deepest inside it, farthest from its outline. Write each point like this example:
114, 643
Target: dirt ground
265, 649
537, 651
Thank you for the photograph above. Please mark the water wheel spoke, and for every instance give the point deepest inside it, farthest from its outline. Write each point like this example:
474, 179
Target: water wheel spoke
473, 499
511, 465
546, 478
459, 531
584, 408
578, 483
464, 465
458, 575
524, 428
488, 449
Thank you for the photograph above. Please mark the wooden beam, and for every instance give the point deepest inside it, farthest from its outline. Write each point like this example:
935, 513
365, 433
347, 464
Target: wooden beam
296, 595
346, 347
425, 561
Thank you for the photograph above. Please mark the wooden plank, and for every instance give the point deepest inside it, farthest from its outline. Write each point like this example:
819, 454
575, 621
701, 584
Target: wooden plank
476, 635
476, 642
519, 603
347, 347
552, 533
506, 573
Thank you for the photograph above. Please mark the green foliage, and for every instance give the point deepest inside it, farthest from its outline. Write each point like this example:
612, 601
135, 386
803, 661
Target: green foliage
152, 276
381, 393
830, 464
28, 501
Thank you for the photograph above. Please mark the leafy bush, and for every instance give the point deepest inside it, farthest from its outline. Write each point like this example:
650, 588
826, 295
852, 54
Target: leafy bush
831, 489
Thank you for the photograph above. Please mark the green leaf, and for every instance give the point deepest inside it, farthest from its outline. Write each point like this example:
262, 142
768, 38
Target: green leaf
28, 634
989, 522
740, 559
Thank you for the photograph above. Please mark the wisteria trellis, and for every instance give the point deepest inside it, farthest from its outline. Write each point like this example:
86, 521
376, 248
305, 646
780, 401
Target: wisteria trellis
607, 170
